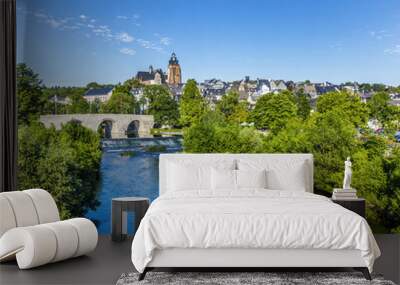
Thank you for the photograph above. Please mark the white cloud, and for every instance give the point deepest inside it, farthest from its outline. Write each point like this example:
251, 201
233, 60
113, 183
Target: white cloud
379, 35
102, 31
394, 51
149, 45
90, 28
40, 15
124, 37
144, 43
127, 51
165, 41
55, 23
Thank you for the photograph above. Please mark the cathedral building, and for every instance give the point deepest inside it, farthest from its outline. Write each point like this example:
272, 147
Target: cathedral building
153, 76
174, 75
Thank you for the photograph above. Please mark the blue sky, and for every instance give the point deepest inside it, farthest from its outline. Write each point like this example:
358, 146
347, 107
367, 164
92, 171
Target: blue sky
73, 42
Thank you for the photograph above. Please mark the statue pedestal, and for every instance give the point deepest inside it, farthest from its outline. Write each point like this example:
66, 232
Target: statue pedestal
339, 193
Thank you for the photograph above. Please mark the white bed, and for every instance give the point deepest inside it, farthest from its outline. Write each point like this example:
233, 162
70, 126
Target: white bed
197, 224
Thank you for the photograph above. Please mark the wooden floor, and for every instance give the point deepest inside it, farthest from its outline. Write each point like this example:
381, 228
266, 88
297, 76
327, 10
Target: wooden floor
103, 266
110, 260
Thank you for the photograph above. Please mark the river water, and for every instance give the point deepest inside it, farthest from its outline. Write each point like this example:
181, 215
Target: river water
124, 175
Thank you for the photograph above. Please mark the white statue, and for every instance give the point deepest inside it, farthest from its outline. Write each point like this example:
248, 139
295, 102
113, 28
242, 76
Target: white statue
347, 174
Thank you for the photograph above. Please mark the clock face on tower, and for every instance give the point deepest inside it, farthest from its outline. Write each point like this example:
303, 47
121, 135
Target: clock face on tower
174, 71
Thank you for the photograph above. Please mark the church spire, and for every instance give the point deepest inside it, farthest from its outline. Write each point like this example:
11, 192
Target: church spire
174, 71
173, 59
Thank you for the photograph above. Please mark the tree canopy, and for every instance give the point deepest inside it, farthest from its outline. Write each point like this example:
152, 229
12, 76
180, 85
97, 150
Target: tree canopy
161, 105
379, 107
348, 104
66, 163
121, 102
273, 111
192, 105
31, 100
331, 133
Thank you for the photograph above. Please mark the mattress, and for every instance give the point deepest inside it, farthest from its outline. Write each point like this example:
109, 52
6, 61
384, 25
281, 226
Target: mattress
251, 219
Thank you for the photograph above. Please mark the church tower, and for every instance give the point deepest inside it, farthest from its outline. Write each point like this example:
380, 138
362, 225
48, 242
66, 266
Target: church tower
174, 71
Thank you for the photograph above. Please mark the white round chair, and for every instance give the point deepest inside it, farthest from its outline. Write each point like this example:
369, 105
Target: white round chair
31, 231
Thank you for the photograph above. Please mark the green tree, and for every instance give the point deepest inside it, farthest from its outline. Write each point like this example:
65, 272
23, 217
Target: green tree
291, 139
390, 213
333, 138
349, 105
78, 105
303, 105
213, 133
133, 83
273, 111
95, 106
30, 98
366, 87
228, 103
161, 105
192, 105
95, 85
378, 87
119, 103
240, 113
66, 163
379, 107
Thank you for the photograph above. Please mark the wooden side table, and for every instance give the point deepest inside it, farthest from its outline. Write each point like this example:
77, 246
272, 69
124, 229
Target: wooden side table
120, 208
355, 205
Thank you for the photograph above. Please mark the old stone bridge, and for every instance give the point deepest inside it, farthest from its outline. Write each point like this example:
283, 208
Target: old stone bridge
111, 125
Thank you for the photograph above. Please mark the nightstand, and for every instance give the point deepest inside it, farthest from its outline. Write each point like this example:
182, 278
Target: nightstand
355, 205
120, 207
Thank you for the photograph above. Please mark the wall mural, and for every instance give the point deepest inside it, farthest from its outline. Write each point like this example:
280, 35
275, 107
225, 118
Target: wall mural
105, 87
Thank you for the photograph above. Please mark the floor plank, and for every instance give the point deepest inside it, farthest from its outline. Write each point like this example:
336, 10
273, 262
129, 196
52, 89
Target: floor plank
103, 266
111, 259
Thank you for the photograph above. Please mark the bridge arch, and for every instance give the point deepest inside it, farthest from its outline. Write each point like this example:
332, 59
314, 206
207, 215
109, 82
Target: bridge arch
114, 125
132, 130
105, 128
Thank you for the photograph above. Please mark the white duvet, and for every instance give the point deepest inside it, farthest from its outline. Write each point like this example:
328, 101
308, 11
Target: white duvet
250, 219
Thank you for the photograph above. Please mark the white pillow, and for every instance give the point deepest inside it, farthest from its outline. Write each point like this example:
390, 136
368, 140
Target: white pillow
282, 174
188, 174
293, 180
223, 179
183, 178
251, 178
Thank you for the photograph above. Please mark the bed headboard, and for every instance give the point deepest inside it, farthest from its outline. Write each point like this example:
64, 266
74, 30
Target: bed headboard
210, 157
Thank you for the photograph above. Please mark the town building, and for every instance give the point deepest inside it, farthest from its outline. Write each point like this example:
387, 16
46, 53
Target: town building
277, 86
177, 91
102, 94
153, 76
174, 74
62, 100
213, 89
326, 87
395, 99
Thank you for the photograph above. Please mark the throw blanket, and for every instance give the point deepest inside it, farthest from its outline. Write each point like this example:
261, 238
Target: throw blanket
250, 219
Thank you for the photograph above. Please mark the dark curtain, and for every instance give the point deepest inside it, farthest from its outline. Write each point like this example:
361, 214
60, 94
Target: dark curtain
8, 105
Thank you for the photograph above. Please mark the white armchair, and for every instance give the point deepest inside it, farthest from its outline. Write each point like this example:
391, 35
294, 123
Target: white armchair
31, 230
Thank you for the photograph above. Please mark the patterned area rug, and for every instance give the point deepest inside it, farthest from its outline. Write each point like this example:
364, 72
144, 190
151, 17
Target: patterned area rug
243, 278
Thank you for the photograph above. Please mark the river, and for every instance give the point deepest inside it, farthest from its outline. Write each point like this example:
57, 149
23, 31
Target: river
132, 174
